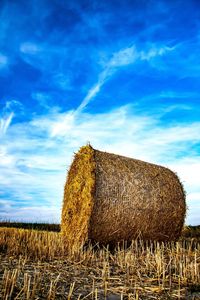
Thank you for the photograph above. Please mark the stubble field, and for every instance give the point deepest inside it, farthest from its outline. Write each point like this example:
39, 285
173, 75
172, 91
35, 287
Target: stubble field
34, 264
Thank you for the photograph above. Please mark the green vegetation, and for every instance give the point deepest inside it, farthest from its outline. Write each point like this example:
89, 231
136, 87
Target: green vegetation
188, 231
34, 226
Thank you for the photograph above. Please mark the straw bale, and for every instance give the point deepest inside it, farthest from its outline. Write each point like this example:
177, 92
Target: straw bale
110, 198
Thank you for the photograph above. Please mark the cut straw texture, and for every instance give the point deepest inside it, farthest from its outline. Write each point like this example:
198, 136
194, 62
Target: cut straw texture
110, 198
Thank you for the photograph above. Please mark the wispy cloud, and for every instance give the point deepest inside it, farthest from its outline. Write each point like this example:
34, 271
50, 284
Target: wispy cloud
178, 94
43, 99
121, 58
95, 89
29, 214
56, 66
5, 123
7, 114
36, 154
155, 51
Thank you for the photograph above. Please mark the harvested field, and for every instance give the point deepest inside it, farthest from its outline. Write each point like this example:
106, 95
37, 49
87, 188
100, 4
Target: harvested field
110, 198
36, 265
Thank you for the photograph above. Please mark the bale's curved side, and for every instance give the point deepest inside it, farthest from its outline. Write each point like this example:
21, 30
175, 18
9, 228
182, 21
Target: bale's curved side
134, 198
78, 198
110, 198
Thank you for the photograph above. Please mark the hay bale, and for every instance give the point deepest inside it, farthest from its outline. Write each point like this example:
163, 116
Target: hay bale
110, 198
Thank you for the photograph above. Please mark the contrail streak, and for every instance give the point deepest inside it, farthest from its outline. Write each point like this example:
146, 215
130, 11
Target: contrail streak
5, 123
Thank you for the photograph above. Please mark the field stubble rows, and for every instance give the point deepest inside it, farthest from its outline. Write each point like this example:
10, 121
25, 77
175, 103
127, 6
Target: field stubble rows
37, 265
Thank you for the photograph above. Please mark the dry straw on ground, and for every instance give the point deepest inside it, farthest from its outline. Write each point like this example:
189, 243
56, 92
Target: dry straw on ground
110, 198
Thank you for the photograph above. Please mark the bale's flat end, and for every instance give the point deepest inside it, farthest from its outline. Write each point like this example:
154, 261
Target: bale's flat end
78, 198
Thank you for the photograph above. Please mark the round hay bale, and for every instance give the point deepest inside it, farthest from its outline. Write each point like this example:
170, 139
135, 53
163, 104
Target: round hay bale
110, 198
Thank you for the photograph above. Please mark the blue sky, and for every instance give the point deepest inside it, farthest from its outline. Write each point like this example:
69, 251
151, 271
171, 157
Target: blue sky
123, 75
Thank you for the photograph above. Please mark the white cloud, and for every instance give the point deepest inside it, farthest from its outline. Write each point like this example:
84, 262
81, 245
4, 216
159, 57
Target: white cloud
176, 95
36, 154
64, 126
91, 94
124, 57
189, 168
13, 104
121, 58
5, 205
5, 158
155, 51
7, 114
181, 61
5, 122
193, 202
177, 134
30, 214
